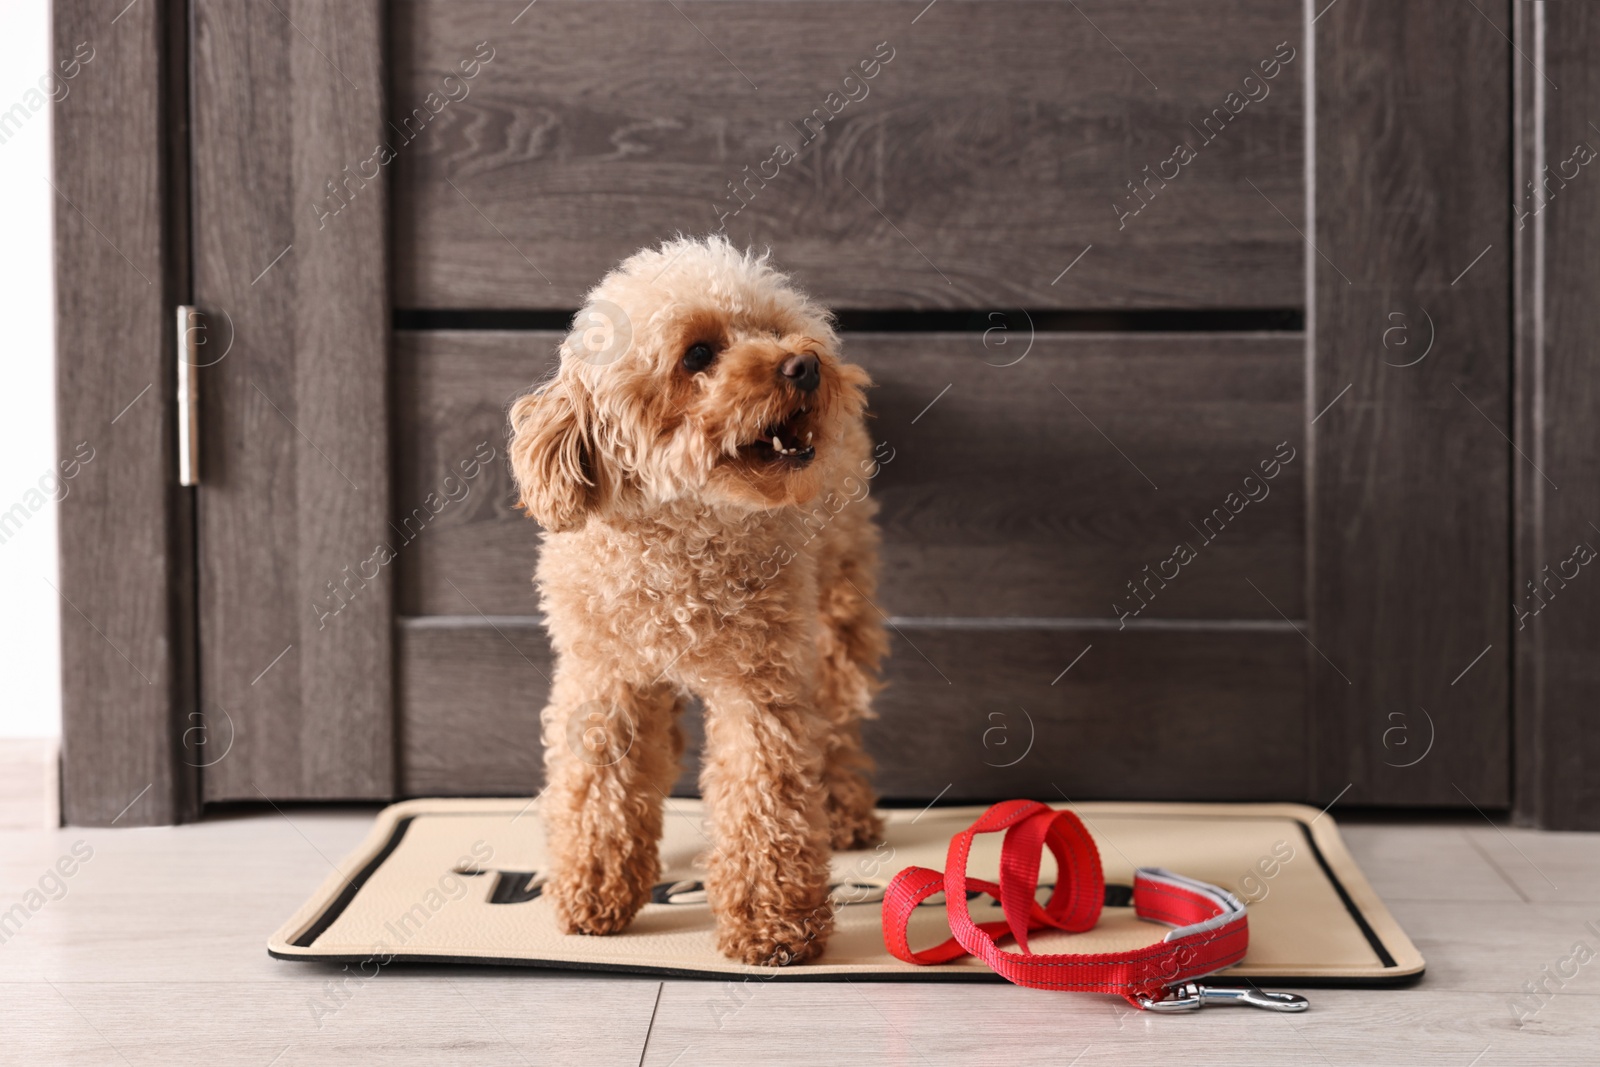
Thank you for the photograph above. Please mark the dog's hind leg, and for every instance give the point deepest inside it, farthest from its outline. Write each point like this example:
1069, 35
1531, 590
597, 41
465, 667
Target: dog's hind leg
609, 762
768, 870
851, 644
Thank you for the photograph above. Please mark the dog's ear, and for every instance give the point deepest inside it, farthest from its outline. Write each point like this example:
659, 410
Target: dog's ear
553, 457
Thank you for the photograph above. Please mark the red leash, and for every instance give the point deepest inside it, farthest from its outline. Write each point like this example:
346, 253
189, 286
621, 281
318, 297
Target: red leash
1211, 930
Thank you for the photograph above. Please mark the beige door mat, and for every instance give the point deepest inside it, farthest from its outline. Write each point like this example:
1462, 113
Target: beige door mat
458, 881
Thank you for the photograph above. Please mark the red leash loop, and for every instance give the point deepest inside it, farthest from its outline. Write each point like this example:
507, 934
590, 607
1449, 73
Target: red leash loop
1211, 932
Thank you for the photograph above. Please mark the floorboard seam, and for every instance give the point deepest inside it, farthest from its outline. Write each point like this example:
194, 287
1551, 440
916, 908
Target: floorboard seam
645, 1051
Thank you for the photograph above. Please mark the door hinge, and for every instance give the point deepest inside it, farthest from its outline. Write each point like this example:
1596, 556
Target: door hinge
190, 335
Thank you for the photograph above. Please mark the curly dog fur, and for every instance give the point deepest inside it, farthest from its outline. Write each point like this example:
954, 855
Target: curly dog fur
699, 464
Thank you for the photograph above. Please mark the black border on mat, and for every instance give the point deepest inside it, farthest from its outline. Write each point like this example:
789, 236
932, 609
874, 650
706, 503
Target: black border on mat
1398, 981
353, 887
1384, 956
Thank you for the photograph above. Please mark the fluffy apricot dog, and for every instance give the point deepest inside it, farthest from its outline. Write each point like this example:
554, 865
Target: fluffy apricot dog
679, 461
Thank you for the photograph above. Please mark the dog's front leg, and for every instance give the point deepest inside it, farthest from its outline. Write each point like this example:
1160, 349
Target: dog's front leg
762, 780
609, 759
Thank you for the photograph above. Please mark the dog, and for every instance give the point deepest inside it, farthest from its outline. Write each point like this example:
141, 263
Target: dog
699, 464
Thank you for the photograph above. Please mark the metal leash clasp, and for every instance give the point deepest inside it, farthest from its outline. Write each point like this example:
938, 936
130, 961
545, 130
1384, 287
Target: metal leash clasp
1191, 996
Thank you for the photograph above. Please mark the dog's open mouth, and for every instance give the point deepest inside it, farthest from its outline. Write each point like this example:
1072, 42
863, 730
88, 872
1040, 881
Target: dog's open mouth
788, 442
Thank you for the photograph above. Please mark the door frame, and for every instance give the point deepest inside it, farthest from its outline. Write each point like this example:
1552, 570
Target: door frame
126, 529
1557, 439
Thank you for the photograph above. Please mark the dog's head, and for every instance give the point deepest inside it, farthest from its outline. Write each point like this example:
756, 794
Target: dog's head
694, 371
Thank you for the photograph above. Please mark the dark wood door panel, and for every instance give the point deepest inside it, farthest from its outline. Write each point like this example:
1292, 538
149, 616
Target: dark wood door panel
1046, 487
992, 146
467, 710
465, 547
295, 618
1203, 713
1039, 489
1410, 524
970, 713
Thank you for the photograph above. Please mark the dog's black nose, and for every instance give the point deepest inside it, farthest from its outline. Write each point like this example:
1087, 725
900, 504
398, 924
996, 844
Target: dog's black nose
803, 371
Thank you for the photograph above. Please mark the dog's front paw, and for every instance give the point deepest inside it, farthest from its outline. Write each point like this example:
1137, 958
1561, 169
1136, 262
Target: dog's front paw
776, 942
585, 908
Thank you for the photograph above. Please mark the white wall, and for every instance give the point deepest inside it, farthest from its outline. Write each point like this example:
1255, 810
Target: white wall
30, 700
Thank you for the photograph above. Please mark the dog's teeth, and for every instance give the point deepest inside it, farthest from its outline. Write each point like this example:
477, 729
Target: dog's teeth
777, 442
808, 437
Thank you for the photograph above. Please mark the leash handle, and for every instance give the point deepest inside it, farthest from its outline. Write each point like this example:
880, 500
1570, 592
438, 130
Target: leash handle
1211, 931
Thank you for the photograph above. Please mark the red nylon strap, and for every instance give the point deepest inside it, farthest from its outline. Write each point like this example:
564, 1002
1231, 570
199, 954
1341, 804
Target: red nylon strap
1074, 904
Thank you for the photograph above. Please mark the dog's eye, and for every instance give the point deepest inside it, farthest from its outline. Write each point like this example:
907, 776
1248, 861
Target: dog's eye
698, 357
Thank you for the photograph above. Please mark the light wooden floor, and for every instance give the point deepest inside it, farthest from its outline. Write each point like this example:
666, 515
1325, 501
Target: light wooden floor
155, 955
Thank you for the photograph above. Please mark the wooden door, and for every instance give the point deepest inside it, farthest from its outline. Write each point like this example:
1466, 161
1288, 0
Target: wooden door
1172, 511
